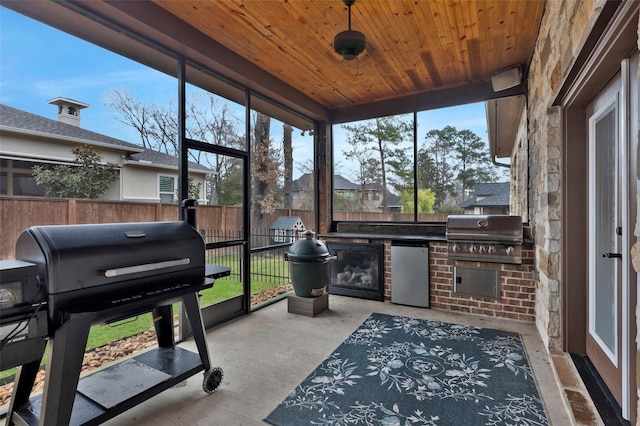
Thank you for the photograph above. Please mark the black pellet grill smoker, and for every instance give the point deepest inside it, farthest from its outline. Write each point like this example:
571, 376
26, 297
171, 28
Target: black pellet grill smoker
67, 278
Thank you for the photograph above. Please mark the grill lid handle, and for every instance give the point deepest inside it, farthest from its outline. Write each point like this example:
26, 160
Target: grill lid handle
147, 267
135, 234
482, 223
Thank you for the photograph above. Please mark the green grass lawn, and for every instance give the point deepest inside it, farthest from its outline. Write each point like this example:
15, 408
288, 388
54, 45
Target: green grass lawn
223, 289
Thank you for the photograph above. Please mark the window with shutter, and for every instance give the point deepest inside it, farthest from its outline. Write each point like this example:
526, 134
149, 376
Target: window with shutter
167, 189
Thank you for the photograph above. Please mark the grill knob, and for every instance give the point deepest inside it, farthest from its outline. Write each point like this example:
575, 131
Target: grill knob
509, 250
482, 249
491, 250
473, 248
455, 248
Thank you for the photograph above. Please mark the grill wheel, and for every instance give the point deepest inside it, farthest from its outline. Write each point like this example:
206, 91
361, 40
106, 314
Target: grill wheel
212, 379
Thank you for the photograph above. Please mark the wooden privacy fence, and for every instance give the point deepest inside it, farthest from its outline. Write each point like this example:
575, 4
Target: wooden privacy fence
19, 213
387, 217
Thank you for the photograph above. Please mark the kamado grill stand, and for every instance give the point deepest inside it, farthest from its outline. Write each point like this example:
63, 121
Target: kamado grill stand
135, 268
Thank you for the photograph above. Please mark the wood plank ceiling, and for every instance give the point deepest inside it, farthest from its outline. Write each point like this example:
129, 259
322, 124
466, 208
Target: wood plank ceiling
420, 54
413, 46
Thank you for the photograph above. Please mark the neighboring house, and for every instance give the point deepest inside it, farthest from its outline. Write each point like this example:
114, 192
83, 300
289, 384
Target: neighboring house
490, 198
27, 140
302, 192
286, 229
393, 203
373, 193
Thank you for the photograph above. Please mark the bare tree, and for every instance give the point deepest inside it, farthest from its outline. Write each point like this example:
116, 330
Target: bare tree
265, 173
210, 122
132, 113
207, 121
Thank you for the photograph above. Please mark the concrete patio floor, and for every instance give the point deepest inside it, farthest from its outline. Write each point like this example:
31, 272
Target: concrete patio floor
264, 355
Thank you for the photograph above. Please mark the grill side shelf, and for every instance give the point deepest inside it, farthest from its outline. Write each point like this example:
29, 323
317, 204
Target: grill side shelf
174, 361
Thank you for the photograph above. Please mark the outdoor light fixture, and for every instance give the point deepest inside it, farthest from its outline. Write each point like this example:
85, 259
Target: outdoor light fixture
349, 43
506, 79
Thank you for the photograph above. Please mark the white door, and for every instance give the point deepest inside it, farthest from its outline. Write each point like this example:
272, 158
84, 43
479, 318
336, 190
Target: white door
604, 347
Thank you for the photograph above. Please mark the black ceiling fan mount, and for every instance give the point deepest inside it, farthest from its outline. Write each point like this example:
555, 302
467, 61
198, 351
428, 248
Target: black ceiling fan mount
349, 43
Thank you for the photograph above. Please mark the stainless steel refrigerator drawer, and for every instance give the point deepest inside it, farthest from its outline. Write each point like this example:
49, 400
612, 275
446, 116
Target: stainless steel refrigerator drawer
410, 275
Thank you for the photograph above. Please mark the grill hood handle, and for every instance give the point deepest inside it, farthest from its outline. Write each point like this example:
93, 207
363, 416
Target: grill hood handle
147, 267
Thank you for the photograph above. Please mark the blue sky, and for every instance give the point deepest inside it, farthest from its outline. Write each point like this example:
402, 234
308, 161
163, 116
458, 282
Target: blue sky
39, 63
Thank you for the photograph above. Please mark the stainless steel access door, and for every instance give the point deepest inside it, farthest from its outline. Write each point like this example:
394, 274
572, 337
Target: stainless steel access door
410, 274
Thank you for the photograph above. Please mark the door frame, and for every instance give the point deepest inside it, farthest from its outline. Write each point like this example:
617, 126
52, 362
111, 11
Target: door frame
613, 38
610, 360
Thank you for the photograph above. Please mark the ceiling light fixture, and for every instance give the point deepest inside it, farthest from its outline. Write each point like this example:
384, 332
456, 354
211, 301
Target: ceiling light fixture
350, 43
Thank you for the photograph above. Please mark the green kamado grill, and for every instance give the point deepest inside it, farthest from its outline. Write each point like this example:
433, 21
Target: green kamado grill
309, 265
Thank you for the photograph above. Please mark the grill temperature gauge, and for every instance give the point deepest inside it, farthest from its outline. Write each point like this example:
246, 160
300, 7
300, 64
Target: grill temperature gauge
7, 296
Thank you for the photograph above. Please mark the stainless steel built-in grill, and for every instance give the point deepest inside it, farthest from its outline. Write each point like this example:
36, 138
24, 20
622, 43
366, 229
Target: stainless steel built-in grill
485, 238
87, 274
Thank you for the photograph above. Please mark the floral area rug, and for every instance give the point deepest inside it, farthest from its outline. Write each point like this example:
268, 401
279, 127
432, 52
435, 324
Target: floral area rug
404, 371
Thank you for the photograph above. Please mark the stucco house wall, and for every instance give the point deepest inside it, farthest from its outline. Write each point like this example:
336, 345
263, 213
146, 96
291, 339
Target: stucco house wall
28, 137
42, 148
145, 188
47, 149
143, 182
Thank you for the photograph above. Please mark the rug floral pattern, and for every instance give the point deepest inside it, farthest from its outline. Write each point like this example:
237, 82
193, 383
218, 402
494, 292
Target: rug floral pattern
404, 371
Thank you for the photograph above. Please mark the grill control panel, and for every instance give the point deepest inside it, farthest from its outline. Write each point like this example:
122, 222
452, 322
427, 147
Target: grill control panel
485, 252
19, 288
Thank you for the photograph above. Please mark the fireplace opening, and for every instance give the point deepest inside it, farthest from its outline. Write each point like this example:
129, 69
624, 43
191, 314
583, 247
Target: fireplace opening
358, 270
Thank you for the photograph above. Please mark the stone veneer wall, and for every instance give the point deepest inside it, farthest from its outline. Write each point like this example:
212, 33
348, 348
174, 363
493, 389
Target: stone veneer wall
564, 28
519, 193
563, 31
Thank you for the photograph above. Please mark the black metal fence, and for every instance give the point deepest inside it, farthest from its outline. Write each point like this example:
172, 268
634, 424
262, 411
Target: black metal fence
267, 257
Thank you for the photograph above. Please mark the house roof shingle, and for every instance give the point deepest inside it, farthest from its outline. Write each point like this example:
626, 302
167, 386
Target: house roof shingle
492, 194
392, 200
22, 120
303, 184
19, 120
340, 183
